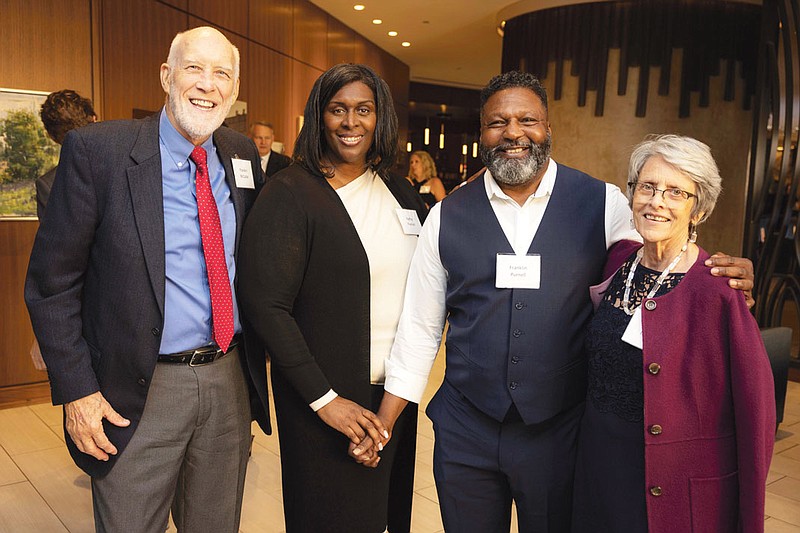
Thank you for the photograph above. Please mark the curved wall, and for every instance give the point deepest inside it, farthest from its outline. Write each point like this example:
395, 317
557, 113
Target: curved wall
607, 93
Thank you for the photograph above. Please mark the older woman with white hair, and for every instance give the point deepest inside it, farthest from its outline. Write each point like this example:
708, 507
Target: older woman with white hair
680, 414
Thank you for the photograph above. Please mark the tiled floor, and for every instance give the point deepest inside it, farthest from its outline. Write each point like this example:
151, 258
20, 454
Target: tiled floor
41, 491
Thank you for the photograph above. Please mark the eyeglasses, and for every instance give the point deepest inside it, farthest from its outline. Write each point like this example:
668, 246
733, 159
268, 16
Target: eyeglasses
672, 194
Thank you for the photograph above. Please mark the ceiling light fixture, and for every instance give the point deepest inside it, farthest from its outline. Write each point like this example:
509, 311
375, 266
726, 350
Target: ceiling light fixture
377, 21
406, 44
358, 7
392, 33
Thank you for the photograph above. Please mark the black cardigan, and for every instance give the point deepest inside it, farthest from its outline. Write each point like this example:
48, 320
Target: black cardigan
304, 284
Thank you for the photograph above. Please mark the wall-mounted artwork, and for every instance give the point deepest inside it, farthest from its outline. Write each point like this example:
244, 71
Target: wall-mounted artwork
26, 152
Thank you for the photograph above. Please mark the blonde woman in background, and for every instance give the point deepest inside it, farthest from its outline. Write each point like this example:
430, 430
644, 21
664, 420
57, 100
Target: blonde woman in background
422, 175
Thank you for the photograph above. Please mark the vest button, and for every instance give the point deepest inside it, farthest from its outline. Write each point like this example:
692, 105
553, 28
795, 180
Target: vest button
141, 381
156, 332
514, 360
656, 491
520, 306
654, 368
516, 333
656, 429
513, 385
650, 305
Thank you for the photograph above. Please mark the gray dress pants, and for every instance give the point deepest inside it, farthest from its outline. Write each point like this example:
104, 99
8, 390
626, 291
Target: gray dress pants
189, 453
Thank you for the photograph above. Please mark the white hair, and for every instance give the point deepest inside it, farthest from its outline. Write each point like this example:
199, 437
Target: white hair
172, 58
687, 155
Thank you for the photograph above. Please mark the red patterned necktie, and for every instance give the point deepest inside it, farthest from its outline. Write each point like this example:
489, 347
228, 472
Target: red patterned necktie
214, 252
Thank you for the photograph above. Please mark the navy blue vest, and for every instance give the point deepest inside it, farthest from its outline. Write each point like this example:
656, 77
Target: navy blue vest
522, 345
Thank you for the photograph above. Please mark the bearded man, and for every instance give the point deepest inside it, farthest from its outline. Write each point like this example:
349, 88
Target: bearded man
508, 260
130, 289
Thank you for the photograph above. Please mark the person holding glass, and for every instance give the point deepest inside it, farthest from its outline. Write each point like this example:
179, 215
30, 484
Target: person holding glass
326, 252
680, 415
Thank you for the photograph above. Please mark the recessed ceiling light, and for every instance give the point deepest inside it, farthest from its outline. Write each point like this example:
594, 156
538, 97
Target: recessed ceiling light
406, 44
392, 34
377, 21
358, 7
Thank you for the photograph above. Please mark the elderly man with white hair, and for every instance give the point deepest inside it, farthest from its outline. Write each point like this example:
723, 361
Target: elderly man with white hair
132, 297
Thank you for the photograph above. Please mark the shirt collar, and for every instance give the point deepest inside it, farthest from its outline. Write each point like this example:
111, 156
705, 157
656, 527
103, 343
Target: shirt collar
178, 147
545, 188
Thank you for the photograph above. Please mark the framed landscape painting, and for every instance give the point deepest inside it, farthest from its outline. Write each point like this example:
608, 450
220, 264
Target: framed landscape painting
26, 152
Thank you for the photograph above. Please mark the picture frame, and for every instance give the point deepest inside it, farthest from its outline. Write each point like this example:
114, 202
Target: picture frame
26, 151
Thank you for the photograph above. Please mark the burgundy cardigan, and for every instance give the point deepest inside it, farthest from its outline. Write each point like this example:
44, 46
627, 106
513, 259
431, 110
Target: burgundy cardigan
709, 404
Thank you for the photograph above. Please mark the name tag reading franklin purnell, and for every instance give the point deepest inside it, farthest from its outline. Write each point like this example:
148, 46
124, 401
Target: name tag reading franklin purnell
518, 271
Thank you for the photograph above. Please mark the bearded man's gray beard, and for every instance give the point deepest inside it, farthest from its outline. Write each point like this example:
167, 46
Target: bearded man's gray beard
516, 171
198, 124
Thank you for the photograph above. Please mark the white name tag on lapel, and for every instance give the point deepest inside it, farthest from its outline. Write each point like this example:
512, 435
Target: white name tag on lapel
243, 174
409, 220
518, 271
633, 333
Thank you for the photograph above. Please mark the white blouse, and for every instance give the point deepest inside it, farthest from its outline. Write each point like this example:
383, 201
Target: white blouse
373, 210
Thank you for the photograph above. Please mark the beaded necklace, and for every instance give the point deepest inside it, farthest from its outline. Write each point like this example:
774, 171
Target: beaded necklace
657, 285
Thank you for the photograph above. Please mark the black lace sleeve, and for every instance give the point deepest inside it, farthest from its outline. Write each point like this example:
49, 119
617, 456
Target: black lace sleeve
615, 367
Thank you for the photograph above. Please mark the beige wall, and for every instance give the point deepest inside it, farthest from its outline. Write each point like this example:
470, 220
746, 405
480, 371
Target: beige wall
601, 146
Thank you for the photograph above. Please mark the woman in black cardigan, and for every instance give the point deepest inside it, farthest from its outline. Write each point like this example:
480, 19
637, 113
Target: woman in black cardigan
325, 253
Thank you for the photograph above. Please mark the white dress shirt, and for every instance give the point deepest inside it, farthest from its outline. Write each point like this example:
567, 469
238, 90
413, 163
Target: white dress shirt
265, 161
420, 330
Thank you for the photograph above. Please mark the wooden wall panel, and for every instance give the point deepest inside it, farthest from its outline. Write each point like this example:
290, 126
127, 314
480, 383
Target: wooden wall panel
46, 46
341, 43
368, 54
180, 4
303, 78
360, 46
270, 23
16, 336
269, 77
230, 14
310, 34
136, 39
396, 73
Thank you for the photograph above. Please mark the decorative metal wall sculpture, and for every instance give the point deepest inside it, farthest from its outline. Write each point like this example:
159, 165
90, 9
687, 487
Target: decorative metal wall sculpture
772, 239
715, 37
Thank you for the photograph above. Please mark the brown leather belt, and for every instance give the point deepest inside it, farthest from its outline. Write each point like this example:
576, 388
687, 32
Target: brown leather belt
199, 356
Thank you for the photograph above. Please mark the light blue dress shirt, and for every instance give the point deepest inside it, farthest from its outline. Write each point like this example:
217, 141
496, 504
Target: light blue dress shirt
187, 302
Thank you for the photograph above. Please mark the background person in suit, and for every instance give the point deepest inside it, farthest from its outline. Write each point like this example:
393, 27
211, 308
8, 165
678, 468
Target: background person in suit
61, 112
263, 134
130, 291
